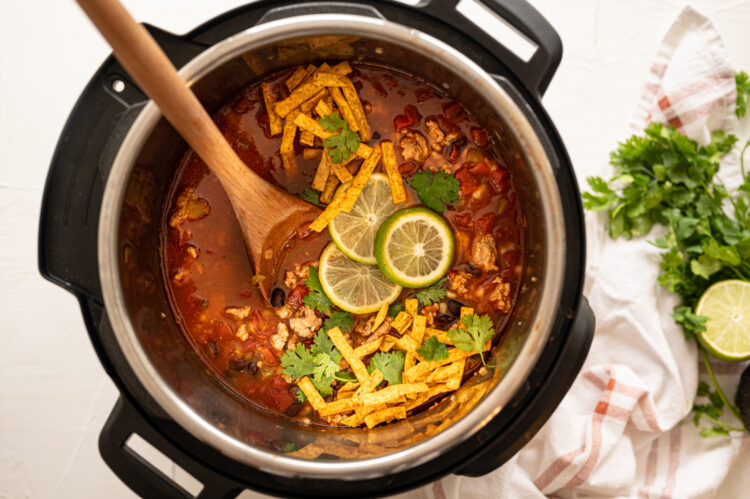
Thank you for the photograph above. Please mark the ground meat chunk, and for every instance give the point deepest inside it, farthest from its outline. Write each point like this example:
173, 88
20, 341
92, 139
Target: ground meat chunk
306, 323
484, 252
500, 295
436, 134
414, 147
242, 333
296, 276
430, 312
278, 340
382, 329
457, 280
188, 207
238, 313
284, 312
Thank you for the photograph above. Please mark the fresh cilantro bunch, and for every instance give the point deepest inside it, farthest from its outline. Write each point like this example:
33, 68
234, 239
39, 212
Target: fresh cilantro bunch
435, 190
477, 331
343, 144
667, 179
433, 294
391, 364
320, 363
433, 349
316, 299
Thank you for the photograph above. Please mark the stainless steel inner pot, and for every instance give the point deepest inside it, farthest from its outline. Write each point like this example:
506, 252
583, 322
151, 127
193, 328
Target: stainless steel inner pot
143, 322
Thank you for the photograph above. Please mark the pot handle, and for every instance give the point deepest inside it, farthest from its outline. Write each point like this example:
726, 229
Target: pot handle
144, 478
496, 21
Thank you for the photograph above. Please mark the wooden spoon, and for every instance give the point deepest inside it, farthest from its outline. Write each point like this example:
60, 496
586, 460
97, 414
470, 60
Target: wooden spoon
267, 215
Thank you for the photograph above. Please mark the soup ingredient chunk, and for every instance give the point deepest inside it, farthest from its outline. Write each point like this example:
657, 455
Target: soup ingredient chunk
727, 333
354, 232
352, 286
414, 247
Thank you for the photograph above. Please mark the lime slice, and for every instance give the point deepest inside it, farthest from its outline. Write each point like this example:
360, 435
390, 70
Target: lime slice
355, 287
727, 306
354, 232
414, 247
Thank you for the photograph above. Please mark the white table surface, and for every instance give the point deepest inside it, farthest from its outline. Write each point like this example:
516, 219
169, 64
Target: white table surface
54, 395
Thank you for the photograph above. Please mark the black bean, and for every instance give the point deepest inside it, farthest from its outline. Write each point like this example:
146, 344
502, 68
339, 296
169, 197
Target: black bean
444, 321
252, 368
460, 142
236, 363
472, 270
454, 307
214, 348
376, 136
278, 297
293, 409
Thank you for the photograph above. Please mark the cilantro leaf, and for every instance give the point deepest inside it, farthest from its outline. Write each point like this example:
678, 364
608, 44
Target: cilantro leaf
343, 144
395, 308
316, 299
324, 373
288, 447
743, 93
320, 363
391, 364
297, 363
311, 196
322, 344
301, 396
435, 190
342, 320
433, 349
432, 294
691, 323
477, 331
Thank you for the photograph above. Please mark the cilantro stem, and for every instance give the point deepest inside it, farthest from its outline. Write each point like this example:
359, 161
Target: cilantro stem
718, 423
742, 160
719, 391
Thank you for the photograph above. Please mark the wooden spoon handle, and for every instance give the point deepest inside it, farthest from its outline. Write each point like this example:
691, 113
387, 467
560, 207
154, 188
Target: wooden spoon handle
151, 69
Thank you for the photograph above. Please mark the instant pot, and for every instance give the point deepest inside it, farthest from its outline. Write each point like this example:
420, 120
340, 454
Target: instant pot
99, 239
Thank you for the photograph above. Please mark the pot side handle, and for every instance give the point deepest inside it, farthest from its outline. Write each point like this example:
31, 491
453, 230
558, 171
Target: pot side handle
142, 477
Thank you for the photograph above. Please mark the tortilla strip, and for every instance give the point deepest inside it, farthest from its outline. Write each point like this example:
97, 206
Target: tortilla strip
388, 343
348, 387
441, 335
311, 153
384, 415
393, 392
333, 209
465, 311
353, 420
337, 407
440, 374
363, 410
423, 398
359, 181
326, 79
407, 344
410, 361
341, 172
344, 109
296, 78
368, 386
380, 317
368, 348
424, 368
454, 383
307, 123
300, 94
310, 103
323, 109
418, 328
350, 92
391, 169
342, 69
322, 173
401, 322
411, 306
316, 401
330, 189
347, 352
306, 138
287, 143
274, 122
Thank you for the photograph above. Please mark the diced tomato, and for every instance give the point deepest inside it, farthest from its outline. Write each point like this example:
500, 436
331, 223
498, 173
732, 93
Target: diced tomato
269, 358
468, 183
406, 169
484, 224
480, 169
463, 220
511, 257
479, 137
410, 118
454, 111
295, 297
452, 152
499, 179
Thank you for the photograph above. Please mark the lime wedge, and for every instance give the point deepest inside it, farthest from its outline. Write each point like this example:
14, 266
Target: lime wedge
354, 232
355, 287
727, 306
414, 247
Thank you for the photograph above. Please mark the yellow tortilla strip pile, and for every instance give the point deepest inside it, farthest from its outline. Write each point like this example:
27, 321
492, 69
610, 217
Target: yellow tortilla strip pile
368, 401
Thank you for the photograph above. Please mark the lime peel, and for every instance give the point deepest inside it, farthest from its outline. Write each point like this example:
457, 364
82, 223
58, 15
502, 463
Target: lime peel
727, 306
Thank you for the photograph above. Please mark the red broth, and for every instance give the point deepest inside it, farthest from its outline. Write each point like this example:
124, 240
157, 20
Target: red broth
207, 270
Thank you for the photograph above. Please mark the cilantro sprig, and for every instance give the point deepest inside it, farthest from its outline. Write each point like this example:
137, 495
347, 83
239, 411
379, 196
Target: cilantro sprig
320, 363
391, 364
435, 190
432, 294
316, 299
344, 143
433, 349
311, 196
743, 93
477, 331
342, 320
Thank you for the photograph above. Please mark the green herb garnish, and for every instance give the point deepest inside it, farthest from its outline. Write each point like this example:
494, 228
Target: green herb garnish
311, 196
342, 320
432, 294
433, 349
477, 331
316, 298
435, 190
391, 364
343, 144
320, 362
395, 308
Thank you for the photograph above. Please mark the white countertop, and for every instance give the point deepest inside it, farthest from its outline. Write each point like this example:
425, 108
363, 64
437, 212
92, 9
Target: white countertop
54, 394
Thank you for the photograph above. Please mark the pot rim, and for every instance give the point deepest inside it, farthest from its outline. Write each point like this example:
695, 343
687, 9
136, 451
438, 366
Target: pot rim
537, 162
